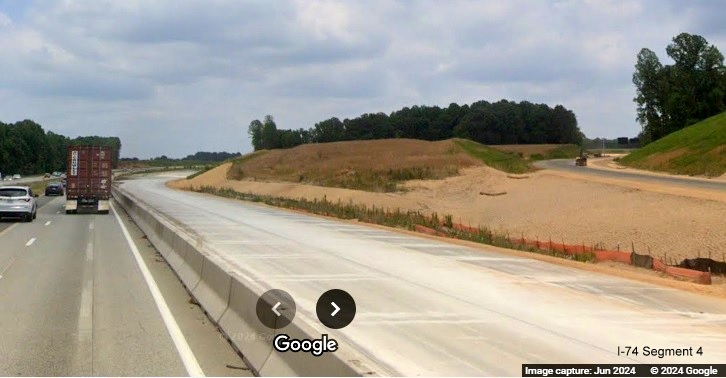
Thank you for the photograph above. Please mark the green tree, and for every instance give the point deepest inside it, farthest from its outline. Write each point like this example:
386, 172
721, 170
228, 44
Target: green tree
672, 97
270, 136
648, 80
330, 130
254, 130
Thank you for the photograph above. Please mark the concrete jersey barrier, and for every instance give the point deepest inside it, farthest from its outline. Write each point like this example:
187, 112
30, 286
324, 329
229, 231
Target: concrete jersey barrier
230, 302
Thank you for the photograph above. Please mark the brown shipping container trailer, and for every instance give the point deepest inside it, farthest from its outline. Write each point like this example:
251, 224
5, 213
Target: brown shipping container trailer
88, 178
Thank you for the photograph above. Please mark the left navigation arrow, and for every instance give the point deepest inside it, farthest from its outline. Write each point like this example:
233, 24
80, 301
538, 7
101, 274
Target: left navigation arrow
275, 309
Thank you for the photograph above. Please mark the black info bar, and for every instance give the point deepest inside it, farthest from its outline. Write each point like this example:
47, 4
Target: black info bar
623, 370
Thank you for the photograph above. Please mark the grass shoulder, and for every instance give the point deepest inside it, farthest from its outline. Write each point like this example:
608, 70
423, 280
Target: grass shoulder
697, 150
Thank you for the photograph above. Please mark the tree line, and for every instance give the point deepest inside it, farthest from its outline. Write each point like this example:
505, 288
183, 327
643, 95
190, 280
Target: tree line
502, 122
671, 97
25, 148
201, 156
211, 156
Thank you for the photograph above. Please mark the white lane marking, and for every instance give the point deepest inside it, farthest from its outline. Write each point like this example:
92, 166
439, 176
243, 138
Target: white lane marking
85, 318
57, 212
185, 352
30, 242
8, 229
85, 310
91, 226
8, 266
47, 223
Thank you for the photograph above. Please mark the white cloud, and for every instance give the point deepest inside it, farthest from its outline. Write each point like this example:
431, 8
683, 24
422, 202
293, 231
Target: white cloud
5, 21
174, 77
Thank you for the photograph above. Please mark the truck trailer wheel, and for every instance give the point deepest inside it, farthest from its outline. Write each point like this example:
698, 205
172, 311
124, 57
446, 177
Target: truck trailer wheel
103, 211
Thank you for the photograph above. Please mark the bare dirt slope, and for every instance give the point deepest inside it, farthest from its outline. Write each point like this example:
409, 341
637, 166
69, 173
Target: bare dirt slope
541, 206
373, 165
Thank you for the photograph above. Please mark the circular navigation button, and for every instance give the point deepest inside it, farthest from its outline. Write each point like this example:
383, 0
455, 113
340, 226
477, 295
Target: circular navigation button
276, 309
335, 309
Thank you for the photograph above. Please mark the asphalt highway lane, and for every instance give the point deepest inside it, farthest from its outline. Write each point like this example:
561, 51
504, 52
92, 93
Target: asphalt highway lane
75, 303
6, 223
568, 165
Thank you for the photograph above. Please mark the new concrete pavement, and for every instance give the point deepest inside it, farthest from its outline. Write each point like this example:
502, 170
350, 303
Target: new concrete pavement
75, 303
426, 307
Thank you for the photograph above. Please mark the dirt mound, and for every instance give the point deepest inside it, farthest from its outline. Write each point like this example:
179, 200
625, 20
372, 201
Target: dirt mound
372, 165
543, 206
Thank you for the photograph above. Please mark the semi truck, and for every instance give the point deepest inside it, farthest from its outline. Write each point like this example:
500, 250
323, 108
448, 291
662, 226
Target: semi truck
88, 179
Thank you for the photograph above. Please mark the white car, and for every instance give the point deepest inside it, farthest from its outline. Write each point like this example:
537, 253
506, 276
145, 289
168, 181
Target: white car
16, 177
18, 202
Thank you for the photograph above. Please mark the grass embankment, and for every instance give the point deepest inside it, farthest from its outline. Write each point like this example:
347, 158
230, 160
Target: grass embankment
372, 165
38, 187
699, 149
239, 160
392, 218
536, 152
506, 161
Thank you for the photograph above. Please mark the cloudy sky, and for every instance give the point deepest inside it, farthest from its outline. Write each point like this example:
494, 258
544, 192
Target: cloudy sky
175, 77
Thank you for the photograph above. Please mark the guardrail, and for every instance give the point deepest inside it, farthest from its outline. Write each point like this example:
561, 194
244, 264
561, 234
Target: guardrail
229, 300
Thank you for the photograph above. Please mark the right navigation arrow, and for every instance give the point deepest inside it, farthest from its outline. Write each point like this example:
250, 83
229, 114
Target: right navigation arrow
343, 309
336, 309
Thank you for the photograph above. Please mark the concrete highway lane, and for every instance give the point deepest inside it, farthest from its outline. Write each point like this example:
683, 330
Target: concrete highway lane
76, 303
427, 307
568, 165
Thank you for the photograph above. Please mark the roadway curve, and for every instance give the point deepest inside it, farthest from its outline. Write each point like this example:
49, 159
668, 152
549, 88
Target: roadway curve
568, 165
427, 307
75, 302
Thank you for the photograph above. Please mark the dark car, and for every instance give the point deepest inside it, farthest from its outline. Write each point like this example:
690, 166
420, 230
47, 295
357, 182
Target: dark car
54, 189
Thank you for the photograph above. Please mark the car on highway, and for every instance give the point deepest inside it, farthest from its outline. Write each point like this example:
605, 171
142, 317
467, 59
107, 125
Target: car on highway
17, 177
18, 202
54, 189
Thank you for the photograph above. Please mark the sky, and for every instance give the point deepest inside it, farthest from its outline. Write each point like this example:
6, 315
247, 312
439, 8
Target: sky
173, 77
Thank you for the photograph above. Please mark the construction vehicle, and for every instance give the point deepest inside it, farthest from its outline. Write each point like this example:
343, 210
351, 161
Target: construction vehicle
581, 161
88, 182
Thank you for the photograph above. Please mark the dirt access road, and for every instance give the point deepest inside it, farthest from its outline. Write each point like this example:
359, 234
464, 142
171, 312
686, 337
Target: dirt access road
605, 168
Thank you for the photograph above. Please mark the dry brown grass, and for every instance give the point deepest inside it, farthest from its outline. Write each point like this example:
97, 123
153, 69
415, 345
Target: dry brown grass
374, 165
